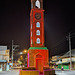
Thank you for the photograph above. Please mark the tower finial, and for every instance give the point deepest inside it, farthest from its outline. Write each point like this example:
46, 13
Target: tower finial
37, 4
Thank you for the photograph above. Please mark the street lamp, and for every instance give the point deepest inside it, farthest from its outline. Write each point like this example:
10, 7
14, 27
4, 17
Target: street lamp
21, 56
21, 53
24, 53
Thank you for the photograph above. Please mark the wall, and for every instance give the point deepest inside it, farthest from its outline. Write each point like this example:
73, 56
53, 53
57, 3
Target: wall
7, 67
4, 55
0, 67
28, 72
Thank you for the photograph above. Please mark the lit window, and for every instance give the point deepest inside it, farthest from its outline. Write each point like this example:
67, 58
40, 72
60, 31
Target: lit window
37, 4
38, 32
38, 41
37, 24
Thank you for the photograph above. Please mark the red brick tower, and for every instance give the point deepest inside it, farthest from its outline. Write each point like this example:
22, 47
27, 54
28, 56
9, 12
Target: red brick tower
37, 53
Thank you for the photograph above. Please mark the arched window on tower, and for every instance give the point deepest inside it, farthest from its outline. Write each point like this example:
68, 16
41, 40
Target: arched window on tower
37, 4
38, 32
38, 24
38, 41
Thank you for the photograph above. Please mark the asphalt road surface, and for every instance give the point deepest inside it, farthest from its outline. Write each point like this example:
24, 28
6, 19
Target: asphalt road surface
65, 72
16, 72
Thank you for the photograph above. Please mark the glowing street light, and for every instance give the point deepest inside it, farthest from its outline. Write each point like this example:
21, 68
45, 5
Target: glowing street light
25, 51
21, 56
21, 53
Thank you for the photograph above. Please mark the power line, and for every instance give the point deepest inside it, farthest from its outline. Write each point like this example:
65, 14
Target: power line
63, 40
59, 43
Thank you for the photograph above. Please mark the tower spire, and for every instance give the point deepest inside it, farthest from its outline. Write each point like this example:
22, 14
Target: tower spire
37, 4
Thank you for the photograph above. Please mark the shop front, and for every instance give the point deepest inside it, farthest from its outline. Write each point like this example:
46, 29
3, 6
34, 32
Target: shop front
4, 65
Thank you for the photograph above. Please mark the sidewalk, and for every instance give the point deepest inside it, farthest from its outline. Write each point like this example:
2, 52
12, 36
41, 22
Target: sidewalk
65, 70
10, 72
61, 70
5, 71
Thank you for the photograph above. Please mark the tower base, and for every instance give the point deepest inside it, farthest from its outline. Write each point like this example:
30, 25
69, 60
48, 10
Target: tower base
38, 58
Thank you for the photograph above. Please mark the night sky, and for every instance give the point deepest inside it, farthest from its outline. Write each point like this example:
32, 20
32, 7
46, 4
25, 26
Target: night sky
59, 21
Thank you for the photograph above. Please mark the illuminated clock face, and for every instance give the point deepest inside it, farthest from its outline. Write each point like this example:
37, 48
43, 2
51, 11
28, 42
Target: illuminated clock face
37, 16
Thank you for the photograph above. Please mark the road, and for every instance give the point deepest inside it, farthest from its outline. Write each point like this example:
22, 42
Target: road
58, 72
65, 72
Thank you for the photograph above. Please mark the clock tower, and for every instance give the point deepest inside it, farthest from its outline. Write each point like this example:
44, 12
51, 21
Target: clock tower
37, 24
37, 53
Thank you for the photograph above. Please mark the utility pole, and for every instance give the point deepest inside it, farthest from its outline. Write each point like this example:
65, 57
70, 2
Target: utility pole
12, 53
13, 48
70, 51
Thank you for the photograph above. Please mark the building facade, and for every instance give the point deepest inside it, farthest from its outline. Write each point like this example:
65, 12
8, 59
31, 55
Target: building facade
64, 60
4, 58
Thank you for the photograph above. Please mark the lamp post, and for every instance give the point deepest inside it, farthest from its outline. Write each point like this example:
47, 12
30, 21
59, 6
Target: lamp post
24, 56
25, 52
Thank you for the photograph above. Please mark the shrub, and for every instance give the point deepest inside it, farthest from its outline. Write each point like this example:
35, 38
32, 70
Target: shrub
32, 68
23, 68
46, 68
74, 67
29, 68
